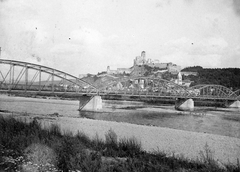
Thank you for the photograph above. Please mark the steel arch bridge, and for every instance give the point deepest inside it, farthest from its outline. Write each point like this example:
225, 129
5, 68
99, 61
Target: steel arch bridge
33, 77
213, 92
24, 76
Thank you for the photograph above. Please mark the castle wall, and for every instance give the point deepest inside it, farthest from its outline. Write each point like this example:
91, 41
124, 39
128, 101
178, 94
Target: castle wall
124, 70
161, 65
174, 69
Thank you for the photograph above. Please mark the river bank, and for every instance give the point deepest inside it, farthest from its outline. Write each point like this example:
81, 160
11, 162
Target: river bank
157, 127
171, 141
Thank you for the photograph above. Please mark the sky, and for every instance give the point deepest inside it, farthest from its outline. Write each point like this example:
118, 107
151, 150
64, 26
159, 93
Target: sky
86, 36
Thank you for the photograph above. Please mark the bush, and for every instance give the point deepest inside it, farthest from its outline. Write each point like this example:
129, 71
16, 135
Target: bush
48, 149
39, 158
130, 147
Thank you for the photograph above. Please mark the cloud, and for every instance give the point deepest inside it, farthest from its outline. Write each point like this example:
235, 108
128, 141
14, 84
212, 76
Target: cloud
66, 48
210, 46
206, 46
162, 3
189, 1
24, 34
89, 50
184, 59
87, 36
208, 52
236, 6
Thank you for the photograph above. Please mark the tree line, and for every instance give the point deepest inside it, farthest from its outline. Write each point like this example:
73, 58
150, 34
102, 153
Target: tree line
228, 77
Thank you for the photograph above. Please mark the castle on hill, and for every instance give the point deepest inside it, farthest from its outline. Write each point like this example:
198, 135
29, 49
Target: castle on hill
139, 61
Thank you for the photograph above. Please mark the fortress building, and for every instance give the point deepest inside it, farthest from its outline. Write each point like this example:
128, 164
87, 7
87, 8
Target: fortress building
138, 68
141, 60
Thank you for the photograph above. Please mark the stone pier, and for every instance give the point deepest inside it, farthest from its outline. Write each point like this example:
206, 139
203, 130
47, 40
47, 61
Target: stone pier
90, 103
184, 104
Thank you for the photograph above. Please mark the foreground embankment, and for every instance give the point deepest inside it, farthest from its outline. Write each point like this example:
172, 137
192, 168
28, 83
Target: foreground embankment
26, 146
183, 143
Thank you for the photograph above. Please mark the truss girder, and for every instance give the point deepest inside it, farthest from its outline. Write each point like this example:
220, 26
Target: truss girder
145, 86
42, 69
236, 94
214, 91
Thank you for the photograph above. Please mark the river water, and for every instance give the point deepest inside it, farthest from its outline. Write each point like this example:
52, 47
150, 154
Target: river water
217, 121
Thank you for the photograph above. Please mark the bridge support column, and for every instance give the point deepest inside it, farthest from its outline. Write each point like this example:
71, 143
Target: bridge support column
184, 104
87, 103
232, 104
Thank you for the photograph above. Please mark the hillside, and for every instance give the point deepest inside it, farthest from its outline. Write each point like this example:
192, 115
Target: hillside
228, 77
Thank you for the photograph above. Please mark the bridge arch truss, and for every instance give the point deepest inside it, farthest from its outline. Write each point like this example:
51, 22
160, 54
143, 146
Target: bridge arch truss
213, 91
236, 94
18, 75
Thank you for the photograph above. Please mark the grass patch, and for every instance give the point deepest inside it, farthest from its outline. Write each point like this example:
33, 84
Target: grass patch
27, 147
234, 117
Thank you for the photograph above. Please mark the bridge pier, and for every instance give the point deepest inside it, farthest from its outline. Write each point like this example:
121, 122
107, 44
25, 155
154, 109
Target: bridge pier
90, 103
232, 104
184, 104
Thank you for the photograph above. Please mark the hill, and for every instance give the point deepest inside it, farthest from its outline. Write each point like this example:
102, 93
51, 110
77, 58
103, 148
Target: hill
228, 77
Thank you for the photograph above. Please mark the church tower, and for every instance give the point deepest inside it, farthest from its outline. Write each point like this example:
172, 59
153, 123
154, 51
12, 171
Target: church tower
179, 78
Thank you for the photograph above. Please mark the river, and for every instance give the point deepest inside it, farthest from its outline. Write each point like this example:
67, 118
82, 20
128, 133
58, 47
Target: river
219, 121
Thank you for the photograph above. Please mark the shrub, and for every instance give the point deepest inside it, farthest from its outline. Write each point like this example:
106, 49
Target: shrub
207, 157
129, 147
39, 158
111, 138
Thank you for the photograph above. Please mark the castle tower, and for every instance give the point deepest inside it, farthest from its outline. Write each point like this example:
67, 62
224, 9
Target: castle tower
143, 55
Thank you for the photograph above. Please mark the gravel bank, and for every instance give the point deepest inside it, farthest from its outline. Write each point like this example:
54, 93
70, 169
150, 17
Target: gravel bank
181, 143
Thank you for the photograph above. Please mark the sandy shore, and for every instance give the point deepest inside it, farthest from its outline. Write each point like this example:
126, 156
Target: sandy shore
182, 143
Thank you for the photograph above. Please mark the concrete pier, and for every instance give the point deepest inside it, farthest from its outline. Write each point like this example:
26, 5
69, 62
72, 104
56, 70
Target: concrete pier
87, 103
184, 104
233, 104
